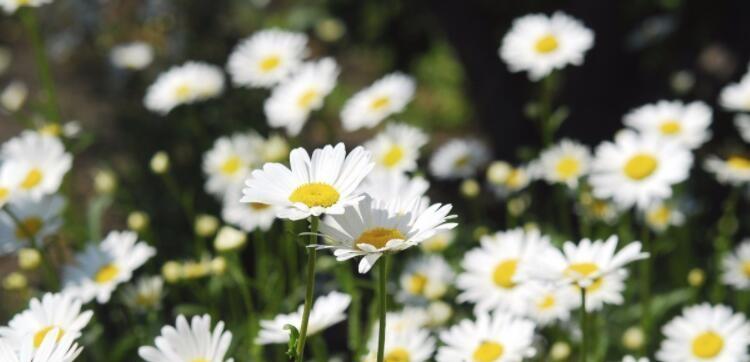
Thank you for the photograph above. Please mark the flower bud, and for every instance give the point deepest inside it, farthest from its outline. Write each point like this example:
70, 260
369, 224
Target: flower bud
29, 259
160, 163
138, 221
229, 238
206, 225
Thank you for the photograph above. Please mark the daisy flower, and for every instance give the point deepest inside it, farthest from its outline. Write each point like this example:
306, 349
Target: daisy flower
597, 209
189, 342
548, 303
53, 311
291, 102
491, 279
395, 187
10, 178
427, 277
247, 216
397, 148
633, 359
686, 124
705, 333
135, 56
539, 44
327, 310
373, 227
638, 169
565, 163
230, 160
325, 183
662, 215
41, 160
188, 83
10, 6
99, 269
735, 170
506, 179
413, 345
370, 106
266, 58
736, 96
438, 242
407, 319
490, 338
736, 267
57, 346
145, 294
36, 220
458, 158
742, 122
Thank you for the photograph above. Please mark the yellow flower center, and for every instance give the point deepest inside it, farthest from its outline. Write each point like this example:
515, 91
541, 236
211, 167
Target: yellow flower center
707, 345
378, 237
515, 178
29, 227
307, 98
39, 336
462, 161
182, 92
106, 273
269, 63
670, 127
394, 155
504, 272
200, 359
417, 282
577, 271
257, 206
397, 355
568, 167
32, 179
659, 216
51, 129
4, 192
746, 268
488, 352
380, 103
231, 165
641, 166
315, 194
738, 163
546, 44
547, 303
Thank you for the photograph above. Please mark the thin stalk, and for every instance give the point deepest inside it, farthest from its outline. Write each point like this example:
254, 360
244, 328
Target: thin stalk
30, 21
726, 227
584, 325
646, 266
311, 254
382, 304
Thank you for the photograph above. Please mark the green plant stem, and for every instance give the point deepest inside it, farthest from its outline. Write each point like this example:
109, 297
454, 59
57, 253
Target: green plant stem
646, 266
382, 305
584, 326
726, 227
31, 22
311, 255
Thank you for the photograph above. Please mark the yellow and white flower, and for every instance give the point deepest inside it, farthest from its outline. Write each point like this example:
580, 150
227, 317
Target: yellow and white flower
736, 267
266, 58
411, 345
41, 160
99, 269
228, 163
134, 56
539, 44
145, 294
662, 215
736, 96
458, 158
56, 346
734, 170
327, 310
370, 106
565, 163
686, 124
397, 148
438, 242
499, 337
638, 169
427, 277
10, 6
36, 221
188, 83
548, 303
706, 333
292, 101
325, 183
506, 179
189, 342
247, 216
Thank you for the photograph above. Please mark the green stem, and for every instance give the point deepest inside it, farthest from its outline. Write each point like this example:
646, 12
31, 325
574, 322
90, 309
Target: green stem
311, 254
241, 280
30, 21
584, 325
382, 306
726, 227
646, 266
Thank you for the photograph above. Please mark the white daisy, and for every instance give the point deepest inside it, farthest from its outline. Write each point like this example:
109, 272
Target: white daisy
540, 44
135, 56
661, 215
742, 122
413, 345
735, 170
372, 227
10, 178
490, 279
687, 124
267, 58
565, 163
99, 269
36, 221
230, 160
706, 333
247, 216
56, 346
506, 179
633, 359
491, 338
409, 318
41, 159
327, 310
184, 84
145, 294
638, 169
438, 242
458, 158
736, 267
291, 102
397, 148
370, 106
325, 183
10, 6
427, 277
736, 96
194, 342
548, 303
395, 187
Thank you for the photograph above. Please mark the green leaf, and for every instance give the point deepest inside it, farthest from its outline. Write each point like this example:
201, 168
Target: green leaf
293, 337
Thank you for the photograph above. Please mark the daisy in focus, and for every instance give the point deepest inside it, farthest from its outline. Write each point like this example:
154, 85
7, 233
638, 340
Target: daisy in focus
327, 310
539, 44
734, 170
370, 106
32, 222
292, 101
190, 342
499, 337
397, 148
565, 163
247, 216
188, 83
267, 58
459, 158
412, 345
705, 333
426, 278
323, 183
99, 269
134, 56
41, 160
687, 124
230, 160
56, 346
736, 267
11, 6
736, 96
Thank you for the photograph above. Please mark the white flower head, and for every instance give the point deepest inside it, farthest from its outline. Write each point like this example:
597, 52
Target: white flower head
188, 83
396, 149
135, 56
370, 106
41, 160
10, 6
736, 267
459, 158
548, 303
426, 278
228, 163
686, 124
498, 337
36, 221
145, 294
661, 215
734, 170
412, 345
506, 179
266, 58
56, 346
742, 122
327, 310
736, 96
566, 162
247, 216
189, 342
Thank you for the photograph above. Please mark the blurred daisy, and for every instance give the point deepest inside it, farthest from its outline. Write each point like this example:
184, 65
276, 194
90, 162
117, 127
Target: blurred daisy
36, 220
742, 122
638, 169
145, 294
327, 310
548, 303
370, 106
438, 242
99, 269
736, 96
705, 333
14, 95
10, 6
565, 162
735, 170
506, 179
736, 267
395, 187
413, 345
633, 359
409, 318
427, 277
135, 56
184, 84
56, 346
247, 216
267, 58
662, 215
325, 183
540, 44
597, 209
687, 124
275, 148
194, 342
10, 178
291, 102
490, 279
372, 227
53, 311
397, 148
491, 338
230, 160
458, 158
41, 160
